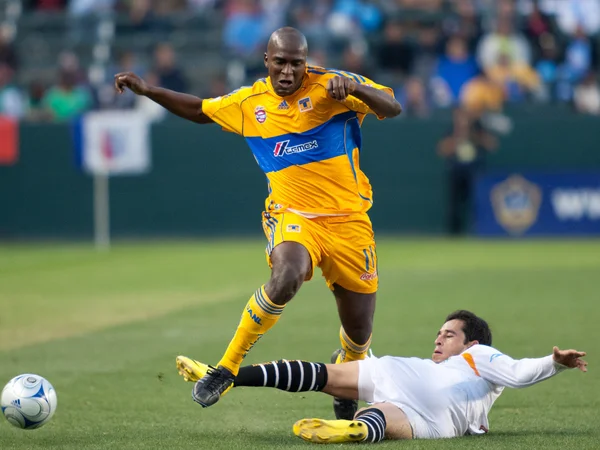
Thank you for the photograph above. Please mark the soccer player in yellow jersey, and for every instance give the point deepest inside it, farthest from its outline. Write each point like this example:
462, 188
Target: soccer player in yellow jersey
302, 124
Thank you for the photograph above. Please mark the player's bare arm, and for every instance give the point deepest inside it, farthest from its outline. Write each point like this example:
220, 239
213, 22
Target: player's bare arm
383, 104
183, 105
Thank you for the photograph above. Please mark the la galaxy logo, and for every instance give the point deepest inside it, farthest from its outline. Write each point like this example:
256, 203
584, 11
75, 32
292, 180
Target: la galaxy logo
516, 204
304, 104
260, 113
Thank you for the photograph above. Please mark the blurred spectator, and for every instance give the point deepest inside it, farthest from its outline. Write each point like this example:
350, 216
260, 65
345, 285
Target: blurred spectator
11, 99
572, 14
587, 96
537, 27
67, 100
454, 69
429, 47
81, 8
414, 99
481, 95
348, 15
503, 41
354, 61
8, 55
141, 16
516, 78
69, 62
201, 5
464, 23
578, 56
169, 74
425, 5
47, 5
395, 54
309, 16
36, 111
464, 148
547, 66
244, 32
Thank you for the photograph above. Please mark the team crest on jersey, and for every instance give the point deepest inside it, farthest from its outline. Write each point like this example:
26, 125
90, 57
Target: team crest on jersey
260, 113
304, 104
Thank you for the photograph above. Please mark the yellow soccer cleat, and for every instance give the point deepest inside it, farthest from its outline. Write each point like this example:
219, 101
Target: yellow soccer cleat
192, 370
330, 431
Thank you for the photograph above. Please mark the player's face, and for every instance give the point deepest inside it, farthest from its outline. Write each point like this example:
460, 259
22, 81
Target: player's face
450, 341
286, 68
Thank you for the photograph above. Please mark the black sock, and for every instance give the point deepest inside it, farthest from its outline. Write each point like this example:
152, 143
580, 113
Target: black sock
374, 419
293, 376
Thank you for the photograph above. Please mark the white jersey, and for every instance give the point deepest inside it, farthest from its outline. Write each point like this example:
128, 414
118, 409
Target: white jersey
452, 398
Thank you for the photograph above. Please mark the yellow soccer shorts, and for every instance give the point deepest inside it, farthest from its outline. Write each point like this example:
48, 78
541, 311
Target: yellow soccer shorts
342, 246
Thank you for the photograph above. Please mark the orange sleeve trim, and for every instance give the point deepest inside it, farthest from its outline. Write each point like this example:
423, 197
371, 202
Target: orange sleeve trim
469, 359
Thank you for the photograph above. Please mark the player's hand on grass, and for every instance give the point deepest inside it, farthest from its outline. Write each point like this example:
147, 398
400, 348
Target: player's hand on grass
340, 87
130, 80
570, 358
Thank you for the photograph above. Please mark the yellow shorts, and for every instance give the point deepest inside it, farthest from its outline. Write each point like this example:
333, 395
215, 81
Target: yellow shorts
342, 246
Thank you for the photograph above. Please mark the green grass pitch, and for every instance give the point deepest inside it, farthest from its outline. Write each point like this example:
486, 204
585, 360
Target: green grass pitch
105, 330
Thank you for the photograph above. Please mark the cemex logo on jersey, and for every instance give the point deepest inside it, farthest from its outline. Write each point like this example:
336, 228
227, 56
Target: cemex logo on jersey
282, 147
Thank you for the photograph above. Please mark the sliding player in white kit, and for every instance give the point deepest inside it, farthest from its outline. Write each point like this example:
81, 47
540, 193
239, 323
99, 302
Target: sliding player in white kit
447, 396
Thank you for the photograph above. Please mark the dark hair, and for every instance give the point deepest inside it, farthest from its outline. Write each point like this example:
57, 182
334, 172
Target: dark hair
475, 328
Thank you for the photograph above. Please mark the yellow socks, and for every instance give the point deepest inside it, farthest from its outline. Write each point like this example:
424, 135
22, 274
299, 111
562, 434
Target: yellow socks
259, 315
351, 351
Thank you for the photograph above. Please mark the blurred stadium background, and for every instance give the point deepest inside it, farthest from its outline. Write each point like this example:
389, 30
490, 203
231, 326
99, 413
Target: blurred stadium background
498, 145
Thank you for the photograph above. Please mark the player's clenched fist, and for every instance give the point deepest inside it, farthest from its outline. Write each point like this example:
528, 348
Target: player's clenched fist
340, 87
132, 81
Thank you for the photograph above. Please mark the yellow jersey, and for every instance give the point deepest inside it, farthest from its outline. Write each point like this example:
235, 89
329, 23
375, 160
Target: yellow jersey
307, 143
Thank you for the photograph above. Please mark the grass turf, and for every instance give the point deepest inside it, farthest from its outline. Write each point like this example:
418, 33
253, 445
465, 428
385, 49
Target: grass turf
105, 330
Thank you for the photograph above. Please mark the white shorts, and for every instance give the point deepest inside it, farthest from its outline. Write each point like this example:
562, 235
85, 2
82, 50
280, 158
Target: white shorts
403, 382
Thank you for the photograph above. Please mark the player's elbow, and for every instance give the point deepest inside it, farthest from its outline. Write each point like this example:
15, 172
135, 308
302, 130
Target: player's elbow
396, 109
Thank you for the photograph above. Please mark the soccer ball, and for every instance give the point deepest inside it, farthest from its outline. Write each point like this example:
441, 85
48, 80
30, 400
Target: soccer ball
28, 401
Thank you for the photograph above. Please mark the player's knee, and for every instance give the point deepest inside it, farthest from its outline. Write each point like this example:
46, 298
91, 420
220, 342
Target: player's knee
284, 283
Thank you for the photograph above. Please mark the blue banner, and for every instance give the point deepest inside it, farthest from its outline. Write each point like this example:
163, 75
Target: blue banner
538, 204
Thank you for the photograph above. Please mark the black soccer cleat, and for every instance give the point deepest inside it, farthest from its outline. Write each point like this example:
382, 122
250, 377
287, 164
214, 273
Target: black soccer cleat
208, 390
343, 408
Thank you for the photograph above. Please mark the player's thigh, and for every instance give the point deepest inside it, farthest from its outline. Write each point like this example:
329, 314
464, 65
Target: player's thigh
352, 255
289, 227
397, 422
342, 380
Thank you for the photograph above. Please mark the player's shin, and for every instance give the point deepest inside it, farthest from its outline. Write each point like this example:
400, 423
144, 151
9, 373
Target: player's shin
351, 351
293, 376
259, 315
374, 419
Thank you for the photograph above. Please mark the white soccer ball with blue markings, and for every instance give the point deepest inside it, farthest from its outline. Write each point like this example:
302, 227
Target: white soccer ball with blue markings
28, 401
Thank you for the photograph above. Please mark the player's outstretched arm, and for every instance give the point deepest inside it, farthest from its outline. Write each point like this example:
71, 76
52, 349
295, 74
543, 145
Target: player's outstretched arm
382, 103
183, 105
502, 370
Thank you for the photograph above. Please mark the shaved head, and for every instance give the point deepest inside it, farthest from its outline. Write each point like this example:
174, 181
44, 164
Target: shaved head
285, 60
287, 38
